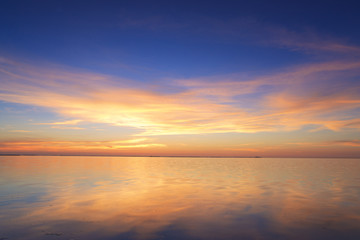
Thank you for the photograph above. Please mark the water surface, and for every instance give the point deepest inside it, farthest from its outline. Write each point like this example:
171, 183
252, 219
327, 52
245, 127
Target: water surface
78, 198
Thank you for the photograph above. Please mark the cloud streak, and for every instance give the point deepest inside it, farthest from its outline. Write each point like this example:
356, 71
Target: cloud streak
69, 122
247, 30
288, 100
351, 143
77, 146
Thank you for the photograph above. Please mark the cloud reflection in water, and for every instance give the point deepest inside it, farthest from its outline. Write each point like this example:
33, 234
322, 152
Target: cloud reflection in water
178, 198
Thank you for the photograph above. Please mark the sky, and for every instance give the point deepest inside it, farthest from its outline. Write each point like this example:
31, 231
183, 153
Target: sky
180, 78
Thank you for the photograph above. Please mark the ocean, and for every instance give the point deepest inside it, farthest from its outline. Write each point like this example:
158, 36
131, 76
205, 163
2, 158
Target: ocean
108, 198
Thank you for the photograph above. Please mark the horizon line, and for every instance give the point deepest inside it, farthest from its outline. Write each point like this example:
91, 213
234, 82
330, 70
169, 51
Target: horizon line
156, 156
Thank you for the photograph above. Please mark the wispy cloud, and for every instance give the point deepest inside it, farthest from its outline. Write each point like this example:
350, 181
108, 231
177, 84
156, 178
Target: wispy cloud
68, 122
244, 149
306, 40
67, 127
73, 146
247, 30
352, 143
288, 100
20, 131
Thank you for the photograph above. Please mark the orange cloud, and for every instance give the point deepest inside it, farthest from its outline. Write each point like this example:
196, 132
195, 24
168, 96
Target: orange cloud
66, 127
351, 143
199, 106
73, 146
69, 122
20, 131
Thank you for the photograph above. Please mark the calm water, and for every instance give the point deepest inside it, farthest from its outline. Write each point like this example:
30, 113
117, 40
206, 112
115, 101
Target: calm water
178, 198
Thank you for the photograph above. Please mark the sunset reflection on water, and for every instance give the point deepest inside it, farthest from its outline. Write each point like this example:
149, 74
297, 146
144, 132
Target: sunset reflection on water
47, 197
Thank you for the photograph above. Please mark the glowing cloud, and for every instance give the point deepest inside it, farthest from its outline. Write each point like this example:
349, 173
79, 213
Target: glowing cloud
282, 101
77, 146
69, 122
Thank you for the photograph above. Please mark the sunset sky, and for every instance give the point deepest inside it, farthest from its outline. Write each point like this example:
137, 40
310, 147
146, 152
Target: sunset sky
180, 78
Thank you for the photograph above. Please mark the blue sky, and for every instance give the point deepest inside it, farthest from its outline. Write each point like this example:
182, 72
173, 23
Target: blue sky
174, 38
154, 72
